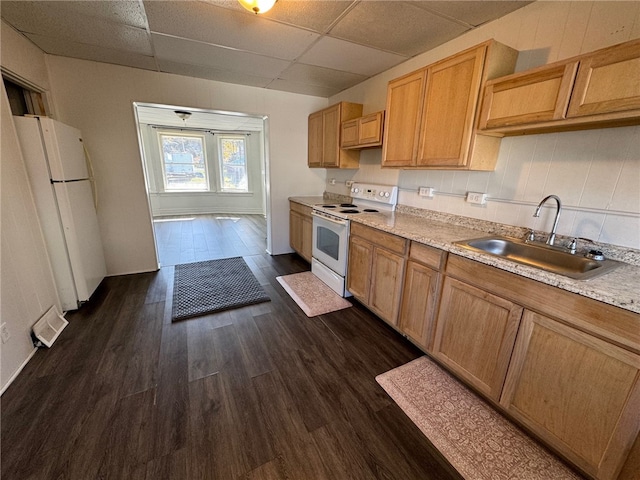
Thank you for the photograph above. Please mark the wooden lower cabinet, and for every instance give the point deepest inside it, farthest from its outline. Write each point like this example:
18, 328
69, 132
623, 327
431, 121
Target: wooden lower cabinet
301, 230
475, 334
420, 294
578, 393
376, 270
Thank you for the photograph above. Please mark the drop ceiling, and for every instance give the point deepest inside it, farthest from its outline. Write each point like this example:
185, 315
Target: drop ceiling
310, 47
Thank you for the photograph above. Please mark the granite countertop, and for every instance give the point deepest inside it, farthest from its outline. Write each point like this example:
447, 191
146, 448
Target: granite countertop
620, 288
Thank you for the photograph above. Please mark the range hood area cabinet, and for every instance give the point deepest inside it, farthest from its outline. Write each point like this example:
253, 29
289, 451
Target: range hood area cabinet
432, 113
362, 132
594, 90
324, 137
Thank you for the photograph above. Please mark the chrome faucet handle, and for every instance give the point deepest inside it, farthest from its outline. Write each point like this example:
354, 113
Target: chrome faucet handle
573, 246
530, 237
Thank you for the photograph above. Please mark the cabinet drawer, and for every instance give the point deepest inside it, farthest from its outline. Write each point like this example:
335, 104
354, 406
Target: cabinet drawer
426, 255
386, 240
298, 207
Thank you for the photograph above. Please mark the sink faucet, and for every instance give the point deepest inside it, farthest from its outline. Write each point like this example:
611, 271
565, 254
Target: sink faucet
552, 235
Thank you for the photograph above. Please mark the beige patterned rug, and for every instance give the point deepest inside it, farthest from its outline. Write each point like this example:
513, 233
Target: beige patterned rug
479, 442
311, 294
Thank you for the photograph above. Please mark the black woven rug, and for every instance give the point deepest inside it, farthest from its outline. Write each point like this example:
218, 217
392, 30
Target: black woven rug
214, 285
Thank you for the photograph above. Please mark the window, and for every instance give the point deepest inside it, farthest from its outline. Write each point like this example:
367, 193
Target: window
233, 163
184, 166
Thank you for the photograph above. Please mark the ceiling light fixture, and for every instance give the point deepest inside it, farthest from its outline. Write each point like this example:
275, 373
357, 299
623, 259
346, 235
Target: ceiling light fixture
182, 114
257, 6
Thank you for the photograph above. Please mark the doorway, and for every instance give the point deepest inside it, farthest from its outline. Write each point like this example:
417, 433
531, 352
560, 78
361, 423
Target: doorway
204, 169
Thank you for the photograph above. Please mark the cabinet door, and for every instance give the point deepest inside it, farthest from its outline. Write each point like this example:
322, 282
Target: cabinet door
418, 302
536, 96
608, 82
475, 334
578, 393
331, 136
386, 284
359, 270
295, 231
315, 147
403, 112
449, 108
307, 238
349, 134
370, 129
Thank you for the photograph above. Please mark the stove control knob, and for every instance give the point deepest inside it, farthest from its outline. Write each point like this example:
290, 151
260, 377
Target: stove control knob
355, 190
382, 194
386, 194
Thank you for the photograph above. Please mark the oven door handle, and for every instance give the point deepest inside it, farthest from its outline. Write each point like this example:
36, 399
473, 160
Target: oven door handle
339, 222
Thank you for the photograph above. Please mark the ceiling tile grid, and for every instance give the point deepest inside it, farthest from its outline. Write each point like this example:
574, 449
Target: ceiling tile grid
312, 47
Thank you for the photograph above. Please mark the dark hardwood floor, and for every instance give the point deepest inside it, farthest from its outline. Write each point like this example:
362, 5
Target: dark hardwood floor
260, 392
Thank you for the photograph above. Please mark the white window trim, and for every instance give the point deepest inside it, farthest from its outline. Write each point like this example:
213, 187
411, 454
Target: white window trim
163, 178
219, 138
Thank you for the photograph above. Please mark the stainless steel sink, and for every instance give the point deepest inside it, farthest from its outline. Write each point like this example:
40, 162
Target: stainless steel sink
547, 258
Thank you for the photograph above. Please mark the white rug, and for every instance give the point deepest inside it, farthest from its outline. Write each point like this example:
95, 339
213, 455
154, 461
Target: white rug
480, 443
311, 294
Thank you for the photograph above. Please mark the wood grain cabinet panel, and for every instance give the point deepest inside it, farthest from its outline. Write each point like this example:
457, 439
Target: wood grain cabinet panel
475, 334
359, 270
403, 111
608, 81
431, 114
419, 301
324, 137
376, 270
301, 230
538, 95
363, 132
580, 394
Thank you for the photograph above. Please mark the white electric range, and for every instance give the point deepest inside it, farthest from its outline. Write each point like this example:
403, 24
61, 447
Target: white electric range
331, 230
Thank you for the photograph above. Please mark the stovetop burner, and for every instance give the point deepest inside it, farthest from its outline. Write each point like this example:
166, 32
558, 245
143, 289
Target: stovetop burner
351, 210
370, 210
348, 205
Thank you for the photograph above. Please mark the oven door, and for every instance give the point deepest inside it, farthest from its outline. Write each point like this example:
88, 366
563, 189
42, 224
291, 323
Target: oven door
330, 242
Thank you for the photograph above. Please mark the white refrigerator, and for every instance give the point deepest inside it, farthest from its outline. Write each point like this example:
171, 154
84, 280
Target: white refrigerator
62, 189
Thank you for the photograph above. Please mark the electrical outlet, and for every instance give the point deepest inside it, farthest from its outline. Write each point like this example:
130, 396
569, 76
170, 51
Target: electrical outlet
332, 181
477, 198
349, 183
426, 192
4, 333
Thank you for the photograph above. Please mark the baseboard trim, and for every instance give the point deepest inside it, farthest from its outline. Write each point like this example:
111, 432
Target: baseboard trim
17, 372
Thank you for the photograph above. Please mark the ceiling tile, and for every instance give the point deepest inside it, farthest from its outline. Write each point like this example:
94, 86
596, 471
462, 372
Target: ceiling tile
220, 26
316, 15
312, 75
66, 48
472, 13
302, 88
403, 29
198, 53
199, 71
349, 57
52, 20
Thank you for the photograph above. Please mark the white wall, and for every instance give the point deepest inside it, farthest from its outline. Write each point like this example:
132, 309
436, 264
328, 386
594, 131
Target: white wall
98, 98
27, 288
595, 172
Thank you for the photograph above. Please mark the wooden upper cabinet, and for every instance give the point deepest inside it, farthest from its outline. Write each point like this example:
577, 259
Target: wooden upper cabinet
578, 393
432, 113
536, 95
594, 90
449, 110
363, 132
608, 81
402, 125
324, 137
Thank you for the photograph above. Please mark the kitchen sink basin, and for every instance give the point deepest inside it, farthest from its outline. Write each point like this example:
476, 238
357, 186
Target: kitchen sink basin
548, 258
